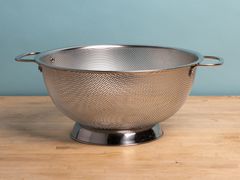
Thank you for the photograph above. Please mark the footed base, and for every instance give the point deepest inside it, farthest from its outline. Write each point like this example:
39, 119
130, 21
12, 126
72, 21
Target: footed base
115, 137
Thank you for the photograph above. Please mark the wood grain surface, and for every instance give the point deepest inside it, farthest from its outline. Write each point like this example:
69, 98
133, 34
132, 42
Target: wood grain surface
201, 141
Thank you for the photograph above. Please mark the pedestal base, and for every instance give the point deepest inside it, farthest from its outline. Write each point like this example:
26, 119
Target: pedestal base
115, 137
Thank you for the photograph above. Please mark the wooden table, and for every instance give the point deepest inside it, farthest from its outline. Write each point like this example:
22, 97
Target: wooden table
202, 141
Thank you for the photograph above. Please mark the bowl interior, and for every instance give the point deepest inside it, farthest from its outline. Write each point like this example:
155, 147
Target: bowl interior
123, 58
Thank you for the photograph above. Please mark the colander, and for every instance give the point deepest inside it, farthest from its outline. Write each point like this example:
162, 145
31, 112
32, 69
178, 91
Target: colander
118, 94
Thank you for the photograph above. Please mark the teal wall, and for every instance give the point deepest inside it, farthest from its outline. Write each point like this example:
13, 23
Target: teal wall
211, 27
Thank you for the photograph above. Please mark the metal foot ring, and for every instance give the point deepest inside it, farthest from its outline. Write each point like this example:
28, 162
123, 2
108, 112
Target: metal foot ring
115, 137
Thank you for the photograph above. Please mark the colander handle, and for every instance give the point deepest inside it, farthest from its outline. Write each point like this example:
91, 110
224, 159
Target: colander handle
218, 59
19, 58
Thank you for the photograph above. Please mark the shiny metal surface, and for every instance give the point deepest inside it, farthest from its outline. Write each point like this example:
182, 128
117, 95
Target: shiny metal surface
115, 137
119, 88
118, 58
219, 59
116, 100
20, 57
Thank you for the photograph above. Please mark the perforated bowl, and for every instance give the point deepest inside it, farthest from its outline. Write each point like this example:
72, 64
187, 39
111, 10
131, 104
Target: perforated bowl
118, 94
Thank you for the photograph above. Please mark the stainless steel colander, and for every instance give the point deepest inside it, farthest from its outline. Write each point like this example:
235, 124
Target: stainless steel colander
118, 94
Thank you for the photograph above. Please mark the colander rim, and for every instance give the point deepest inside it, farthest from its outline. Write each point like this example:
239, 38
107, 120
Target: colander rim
39, 56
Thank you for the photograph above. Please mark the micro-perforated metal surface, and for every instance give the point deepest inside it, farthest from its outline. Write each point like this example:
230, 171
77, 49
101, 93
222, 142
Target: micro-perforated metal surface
118, 94
118, 87
118, 58
118, 100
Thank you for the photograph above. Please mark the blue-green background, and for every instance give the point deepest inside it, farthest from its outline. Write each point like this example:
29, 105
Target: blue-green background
211, 27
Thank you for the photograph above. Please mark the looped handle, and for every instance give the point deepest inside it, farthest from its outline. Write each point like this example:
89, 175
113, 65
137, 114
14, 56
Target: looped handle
219, 61
19, 57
